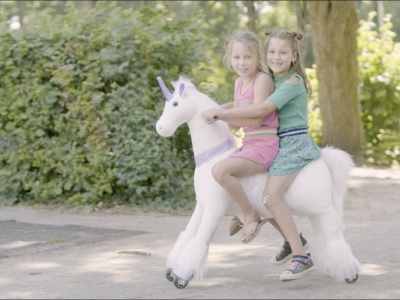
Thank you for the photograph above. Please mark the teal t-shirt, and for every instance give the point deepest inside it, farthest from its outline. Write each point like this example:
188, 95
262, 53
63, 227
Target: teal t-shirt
291, 99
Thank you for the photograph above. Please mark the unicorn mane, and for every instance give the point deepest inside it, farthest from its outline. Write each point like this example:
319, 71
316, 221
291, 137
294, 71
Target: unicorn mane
186, 81
199, 96
191, 87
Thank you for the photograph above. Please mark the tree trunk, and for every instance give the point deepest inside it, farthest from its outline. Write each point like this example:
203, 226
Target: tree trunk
380, 10
251, 15
60, 7
334, 25
88, 4
21, 5
301, 9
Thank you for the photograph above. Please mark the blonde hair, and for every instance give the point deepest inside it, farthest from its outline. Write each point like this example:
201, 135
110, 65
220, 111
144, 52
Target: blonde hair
250, 41
293, 38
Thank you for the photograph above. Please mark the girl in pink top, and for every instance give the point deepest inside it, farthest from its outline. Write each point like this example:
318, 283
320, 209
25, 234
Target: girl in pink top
261, 142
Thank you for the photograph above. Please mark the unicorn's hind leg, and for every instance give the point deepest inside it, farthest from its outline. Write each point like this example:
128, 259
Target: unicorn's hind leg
183, 240
330, 250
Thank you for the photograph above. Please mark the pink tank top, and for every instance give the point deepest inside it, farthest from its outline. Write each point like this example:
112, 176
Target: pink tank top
270, 122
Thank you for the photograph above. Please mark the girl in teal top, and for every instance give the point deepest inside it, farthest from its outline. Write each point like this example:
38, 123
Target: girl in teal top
296, 146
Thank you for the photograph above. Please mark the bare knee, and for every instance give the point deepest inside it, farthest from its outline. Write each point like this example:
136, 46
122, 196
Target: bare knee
219, 172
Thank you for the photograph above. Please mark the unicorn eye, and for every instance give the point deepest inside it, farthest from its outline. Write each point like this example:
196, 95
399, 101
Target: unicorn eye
175, 103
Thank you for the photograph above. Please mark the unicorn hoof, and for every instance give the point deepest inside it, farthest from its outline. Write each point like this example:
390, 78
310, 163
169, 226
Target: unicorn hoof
170, 275
180, 283
352, 279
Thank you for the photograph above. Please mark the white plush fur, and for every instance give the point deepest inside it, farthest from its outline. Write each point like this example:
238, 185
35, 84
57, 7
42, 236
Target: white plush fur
317, 193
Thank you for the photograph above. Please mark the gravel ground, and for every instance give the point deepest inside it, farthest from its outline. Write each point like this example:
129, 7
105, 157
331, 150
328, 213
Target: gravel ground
132, 266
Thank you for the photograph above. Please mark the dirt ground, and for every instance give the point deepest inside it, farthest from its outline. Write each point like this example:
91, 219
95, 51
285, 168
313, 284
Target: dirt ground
133, 266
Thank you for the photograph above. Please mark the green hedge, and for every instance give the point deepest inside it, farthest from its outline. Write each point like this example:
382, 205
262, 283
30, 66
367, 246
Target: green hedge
79, 101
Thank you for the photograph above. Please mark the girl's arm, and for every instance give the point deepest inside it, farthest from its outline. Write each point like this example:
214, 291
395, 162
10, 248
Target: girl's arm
250, 115
232, 124
257, 109
228, 105
251, 111
263, 87
236, 123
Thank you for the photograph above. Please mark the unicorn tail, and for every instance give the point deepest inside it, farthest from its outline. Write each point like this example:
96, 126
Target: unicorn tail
339, 164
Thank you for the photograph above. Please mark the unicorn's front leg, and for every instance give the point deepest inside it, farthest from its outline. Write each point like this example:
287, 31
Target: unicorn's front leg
183, 240
192, 262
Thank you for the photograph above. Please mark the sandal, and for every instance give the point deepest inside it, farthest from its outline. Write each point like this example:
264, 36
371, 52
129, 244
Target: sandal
235, 226
260, 224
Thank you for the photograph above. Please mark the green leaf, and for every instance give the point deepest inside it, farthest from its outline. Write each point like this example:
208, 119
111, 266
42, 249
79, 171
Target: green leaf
51, 97
39, 132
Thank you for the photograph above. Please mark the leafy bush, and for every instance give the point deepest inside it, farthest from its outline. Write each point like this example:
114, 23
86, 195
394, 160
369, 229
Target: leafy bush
314, 113
379, 60
80, 100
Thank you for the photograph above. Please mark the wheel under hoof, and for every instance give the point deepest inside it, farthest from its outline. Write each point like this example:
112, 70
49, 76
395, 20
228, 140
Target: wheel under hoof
180, 283
352, 279
170, 275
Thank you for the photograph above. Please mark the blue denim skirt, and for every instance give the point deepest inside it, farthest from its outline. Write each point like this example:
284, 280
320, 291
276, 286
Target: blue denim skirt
294, 153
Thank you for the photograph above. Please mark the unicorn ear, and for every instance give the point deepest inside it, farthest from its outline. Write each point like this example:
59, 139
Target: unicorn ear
182, 90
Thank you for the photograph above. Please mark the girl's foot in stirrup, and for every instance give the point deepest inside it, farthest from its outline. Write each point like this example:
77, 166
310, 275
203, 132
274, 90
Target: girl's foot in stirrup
298, 268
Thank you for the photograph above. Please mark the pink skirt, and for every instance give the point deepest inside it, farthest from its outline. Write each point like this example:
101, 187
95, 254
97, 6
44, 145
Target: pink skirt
262, 150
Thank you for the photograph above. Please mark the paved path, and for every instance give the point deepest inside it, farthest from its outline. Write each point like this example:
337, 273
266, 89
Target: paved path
127, 260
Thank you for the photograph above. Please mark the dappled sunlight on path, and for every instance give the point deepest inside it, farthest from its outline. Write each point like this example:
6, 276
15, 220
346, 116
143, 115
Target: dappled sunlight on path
134, 266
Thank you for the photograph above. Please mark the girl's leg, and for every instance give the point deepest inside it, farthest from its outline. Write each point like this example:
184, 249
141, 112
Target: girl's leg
301, 264
275, 224
225, 173
285, 252
274, 189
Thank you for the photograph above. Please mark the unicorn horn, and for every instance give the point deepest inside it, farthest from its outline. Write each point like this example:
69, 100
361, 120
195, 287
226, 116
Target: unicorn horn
166, 92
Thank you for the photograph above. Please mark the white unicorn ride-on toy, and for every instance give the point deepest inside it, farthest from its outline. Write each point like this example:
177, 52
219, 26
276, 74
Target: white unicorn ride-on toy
317, 192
